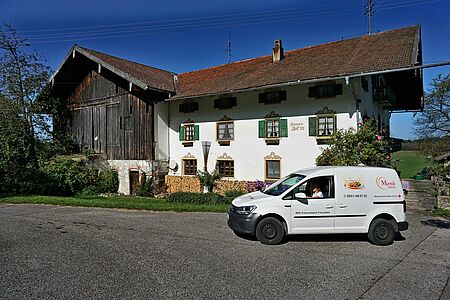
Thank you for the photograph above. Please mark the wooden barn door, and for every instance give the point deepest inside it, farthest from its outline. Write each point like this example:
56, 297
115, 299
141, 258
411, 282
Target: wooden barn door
134, 182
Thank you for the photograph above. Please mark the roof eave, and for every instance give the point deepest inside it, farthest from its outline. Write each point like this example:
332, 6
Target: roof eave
313, 80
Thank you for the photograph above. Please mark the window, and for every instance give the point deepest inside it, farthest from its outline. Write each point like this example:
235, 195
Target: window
325, 91
189, 167
226, 168
273, 169
225, 103
319, 187
188, 107
325, 126
272, 97
272, 128
284, 185
225, 131
189, 133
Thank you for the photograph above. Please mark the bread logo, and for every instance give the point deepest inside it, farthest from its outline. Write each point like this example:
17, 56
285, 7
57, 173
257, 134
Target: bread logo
384, 183
353, 183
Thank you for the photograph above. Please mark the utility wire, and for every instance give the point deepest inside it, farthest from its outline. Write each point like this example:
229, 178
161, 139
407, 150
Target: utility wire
272, 16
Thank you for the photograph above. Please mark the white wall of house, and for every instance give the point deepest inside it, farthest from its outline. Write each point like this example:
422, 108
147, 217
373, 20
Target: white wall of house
248, 151
161, 125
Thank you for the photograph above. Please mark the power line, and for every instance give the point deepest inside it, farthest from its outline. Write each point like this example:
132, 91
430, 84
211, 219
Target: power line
145, 28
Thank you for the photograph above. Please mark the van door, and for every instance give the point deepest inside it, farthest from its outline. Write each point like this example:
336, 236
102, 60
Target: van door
315, 213
353, 200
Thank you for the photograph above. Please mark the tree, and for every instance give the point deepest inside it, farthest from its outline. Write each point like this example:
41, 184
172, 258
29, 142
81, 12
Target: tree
434, 120
23, 75
351, 147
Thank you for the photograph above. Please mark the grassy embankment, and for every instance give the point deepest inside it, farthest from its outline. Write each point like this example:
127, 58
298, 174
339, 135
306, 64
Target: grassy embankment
123, 202
409, 163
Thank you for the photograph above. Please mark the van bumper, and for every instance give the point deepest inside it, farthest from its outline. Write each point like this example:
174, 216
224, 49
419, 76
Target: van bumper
245, 224
402, 226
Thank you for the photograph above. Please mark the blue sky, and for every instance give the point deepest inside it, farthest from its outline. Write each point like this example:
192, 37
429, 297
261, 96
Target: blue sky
186, 35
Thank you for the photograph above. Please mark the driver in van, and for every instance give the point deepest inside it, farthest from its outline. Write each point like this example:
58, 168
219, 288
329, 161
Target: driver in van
316, 192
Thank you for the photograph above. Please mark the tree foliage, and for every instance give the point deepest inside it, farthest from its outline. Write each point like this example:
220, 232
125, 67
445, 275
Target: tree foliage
434, 120
351, 147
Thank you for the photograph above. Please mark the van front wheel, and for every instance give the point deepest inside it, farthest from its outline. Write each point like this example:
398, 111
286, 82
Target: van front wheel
381, 232
270, 231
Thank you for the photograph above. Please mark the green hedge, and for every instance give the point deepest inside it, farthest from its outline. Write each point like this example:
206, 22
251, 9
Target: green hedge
198, 198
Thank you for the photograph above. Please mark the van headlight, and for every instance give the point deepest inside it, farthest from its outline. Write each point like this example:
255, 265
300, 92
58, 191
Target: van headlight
245, 210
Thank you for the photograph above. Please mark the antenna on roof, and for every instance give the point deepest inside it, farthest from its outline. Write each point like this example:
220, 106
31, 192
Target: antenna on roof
369, 13
229, 47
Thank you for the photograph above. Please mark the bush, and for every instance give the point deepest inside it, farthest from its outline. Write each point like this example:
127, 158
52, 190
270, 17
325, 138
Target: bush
198, 198
234, 193
66, 176
351, 147
208, 180
147, 188
108, 181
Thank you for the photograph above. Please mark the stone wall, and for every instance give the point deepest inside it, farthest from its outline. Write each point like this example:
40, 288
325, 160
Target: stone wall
421, 195
443, 202
192, 184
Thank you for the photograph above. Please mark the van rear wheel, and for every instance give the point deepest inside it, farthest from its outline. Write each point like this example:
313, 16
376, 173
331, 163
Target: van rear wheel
381, 232
270, 231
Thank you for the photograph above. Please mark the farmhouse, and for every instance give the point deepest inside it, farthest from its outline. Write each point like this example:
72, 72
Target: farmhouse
260, 118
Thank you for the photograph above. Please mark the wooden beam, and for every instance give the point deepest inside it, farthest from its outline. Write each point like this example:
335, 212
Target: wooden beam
73, 53
99, 68
130, 86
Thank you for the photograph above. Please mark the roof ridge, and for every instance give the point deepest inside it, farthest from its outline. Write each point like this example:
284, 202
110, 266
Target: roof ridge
124, 59
300, 49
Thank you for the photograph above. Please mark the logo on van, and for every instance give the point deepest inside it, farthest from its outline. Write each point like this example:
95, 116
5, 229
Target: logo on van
384, 183
353, 183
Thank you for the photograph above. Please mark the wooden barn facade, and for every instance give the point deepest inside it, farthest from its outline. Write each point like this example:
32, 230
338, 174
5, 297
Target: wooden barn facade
111, 108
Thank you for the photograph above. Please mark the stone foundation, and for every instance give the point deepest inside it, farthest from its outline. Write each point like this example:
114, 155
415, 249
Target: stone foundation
124, 167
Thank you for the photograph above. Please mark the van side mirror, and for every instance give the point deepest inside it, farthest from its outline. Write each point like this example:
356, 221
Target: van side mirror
300, 196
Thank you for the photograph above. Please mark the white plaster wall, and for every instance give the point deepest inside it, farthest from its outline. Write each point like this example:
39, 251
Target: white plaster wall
161, 125
297, 151
123, 168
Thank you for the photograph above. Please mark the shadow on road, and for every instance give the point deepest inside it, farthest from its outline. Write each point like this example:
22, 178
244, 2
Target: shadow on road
437, 223
324, 238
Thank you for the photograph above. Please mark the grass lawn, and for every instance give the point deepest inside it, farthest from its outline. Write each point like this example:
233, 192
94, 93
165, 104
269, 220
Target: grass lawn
441, 212
116, 202
410, 162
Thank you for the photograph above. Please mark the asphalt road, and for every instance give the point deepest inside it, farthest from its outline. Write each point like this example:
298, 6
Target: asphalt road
49, 252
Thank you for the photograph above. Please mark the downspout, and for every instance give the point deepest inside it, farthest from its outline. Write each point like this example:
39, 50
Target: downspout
168, 132
357, 101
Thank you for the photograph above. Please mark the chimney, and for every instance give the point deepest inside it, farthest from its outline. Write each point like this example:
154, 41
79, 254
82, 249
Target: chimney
277, 51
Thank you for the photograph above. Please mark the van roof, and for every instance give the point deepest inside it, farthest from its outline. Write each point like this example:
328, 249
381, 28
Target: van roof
322, 170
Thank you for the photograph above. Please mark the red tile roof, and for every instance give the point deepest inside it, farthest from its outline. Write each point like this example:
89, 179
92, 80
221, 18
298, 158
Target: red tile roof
152, 77
369, 53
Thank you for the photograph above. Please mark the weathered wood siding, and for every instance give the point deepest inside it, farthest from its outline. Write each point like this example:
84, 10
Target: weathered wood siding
107, 118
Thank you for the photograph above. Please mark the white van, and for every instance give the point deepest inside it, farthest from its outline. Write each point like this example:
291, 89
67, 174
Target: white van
324, 200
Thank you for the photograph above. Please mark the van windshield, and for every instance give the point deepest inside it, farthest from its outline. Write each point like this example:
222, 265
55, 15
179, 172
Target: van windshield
283, 185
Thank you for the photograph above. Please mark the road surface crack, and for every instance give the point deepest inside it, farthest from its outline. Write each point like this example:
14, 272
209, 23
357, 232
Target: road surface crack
395, 265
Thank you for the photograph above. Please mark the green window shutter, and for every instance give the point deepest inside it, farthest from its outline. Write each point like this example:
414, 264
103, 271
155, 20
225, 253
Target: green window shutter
196, 132
181, 134
312, 126
334, 124
262, 129
283, 128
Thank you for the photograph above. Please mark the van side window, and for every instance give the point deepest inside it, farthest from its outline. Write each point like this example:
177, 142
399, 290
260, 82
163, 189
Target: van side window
318, 187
